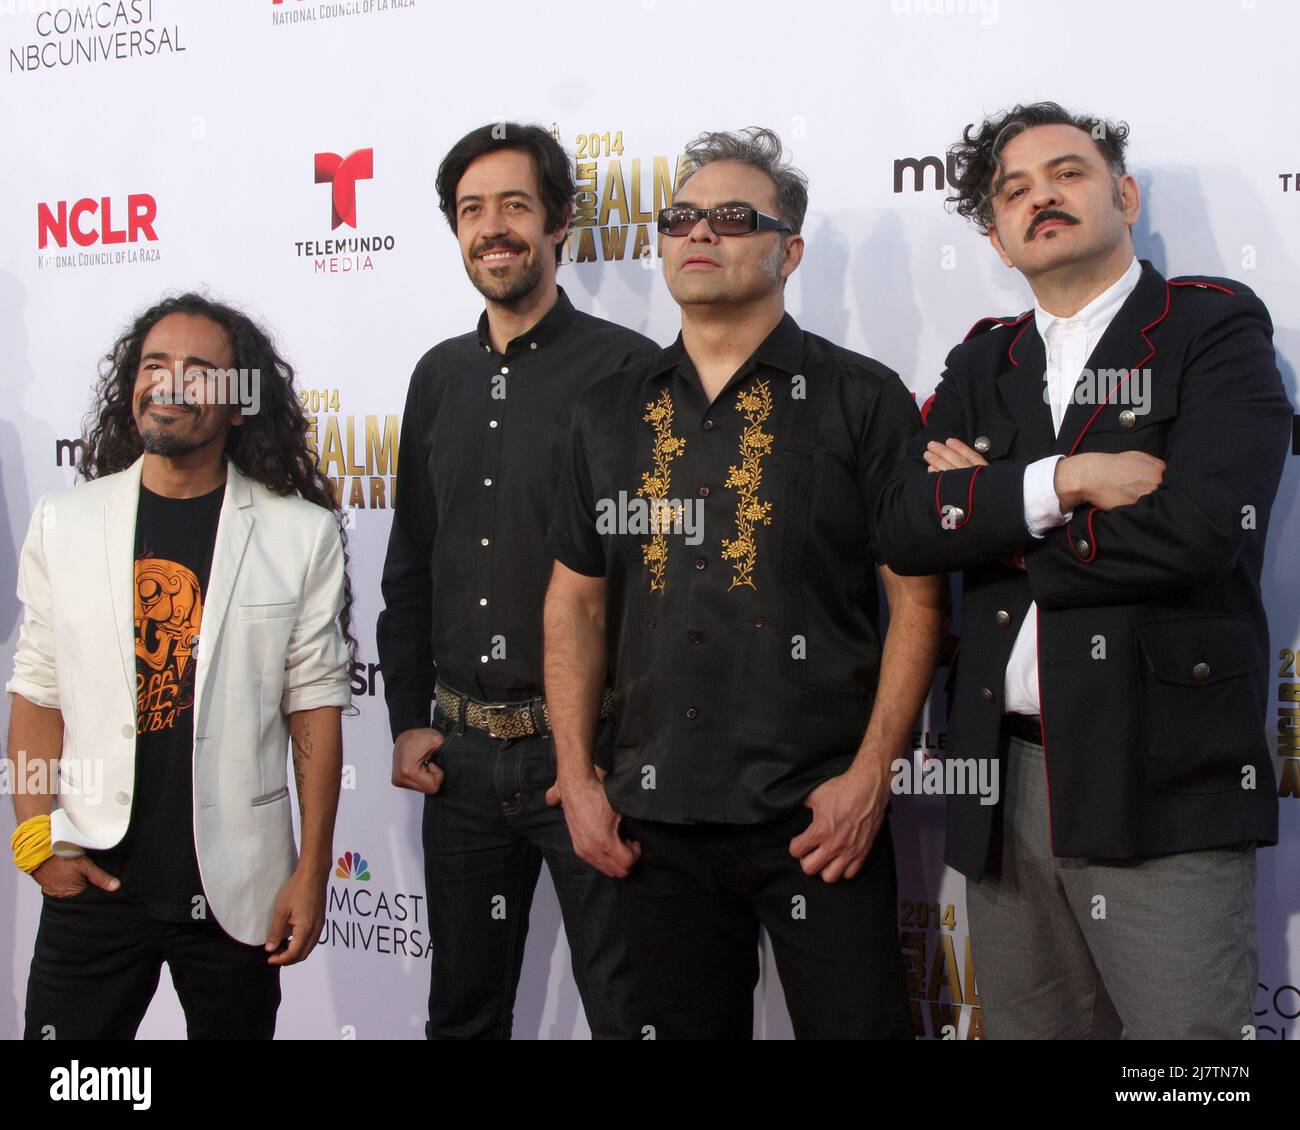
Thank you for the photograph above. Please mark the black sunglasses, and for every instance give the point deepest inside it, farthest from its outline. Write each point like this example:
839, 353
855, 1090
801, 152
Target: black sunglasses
726, 219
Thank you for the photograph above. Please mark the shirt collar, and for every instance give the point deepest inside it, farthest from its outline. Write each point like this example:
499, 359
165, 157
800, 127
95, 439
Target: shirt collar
547, 328
781, 349
1101, 311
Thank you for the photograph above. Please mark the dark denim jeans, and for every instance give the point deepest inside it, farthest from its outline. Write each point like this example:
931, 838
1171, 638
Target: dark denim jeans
485, 834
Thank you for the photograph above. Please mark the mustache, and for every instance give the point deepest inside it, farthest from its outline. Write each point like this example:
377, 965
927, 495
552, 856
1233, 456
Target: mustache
147, 399
498, 245
1045, 216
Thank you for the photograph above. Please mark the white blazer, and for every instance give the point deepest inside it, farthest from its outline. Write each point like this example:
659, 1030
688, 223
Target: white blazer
269, 645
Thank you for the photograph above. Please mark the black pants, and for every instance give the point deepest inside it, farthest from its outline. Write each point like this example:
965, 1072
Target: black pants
693, 906
97, 962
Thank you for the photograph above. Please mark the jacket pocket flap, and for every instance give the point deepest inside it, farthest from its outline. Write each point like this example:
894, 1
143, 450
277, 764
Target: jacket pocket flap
1113, 418
279, 610
272, 797
1193, 652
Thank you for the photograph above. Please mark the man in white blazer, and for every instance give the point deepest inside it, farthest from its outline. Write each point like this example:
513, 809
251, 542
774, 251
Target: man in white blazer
187, 613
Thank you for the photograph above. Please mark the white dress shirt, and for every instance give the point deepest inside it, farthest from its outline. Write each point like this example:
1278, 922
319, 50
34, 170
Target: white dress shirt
1069, 343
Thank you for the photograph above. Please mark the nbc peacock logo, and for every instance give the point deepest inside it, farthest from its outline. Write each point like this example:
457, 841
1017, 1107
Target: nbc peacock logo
353, 866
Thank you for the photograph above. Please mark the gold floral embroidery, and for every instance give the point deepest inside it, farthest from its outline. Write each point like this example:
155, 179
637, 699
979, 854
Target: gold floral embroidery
756, 405
656, 484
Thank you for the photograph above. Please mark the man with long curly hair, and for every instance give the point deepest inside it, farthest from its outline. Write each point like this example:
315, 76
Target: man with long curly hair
187, 610
1100, 468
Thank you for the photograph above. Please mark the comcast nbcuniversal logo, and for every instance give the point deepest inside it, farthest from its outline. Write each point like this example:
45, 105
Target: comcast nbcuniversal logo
364, 916
353, 866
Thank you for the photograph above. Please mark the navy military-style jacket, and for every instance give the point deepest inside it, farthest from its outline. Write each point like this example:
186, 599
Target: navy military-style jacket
1152, 640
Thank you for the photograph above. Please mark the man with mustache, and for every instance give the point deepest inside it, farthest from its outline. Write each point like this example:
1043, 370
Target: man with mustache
460, 637
759, 709
1100, 469
207, 525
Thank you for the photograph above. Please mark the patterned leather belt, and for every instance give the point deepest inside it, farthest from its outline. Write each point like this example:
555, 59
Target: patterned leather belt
505, 720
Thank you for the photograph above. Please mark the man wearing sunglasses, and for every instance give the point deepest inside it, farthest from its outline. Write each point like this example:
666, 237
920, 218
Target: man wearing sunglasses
756, 714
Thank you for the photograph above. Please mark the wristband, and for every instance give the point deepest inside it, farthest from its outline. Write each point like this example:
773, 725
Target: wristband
31, 843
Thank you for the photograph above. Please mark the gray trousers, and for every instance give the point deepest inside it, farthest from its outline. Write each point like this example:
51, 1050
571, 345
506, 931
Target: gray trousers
1069, 948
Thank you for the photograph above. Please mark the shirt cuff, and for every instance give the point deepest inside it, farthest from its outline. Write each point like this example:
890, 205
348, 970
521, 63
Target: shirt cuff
315, 695
1042, 506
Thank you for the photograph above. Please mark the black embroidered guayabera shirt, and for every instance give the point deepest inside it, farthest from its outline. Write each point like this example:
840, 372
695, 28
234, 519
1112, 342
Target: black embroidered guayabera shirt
736, 540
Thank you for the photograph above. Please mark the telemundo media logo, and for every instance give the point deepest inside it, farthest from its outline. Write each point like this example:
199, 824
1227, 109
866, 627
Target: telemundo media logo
352, 253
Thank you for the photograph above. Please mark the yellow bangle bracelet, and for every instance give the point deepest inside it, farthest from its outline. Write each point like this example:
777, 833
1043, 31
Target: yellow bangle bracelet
31, 843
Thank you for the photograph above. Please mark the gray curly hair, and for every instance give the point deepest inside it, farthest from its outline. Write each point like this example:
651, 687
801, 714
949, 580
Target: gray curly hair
762, 149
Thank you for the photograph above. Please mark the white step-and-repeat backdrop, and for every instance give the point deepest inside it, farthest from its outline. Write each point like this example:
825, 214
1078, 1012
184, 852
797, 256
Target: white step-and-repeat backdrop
157, 145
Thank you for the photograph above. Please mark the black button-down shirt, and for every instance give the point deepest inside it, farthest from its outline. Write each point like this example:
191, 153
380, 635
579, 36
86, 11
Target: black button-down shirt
744, 631
482, 443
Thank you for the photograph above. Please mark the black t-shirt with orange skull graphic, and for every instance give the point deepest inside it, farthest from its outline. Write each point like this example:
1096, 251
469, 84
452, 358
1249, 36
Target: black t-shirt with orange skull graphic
174, 539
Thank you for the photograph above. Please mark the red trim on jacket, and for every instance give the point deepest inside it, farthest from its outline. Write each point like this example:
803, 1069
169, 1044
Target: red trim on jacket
970, 492
1151, 347
1092, 540
1042, 725
1206, 285
970, 496
986, 321
1025, 317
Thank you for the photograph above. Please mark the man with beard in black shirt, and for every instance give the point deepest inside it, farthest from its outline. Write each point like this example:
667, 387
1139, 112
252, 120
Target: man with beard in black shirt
482, 438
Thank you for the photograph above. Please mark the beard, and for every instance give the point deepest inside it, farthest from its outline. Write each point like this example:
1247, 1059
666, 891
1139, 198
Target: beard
166, 439
510, 287
157, 441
